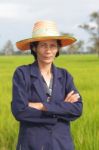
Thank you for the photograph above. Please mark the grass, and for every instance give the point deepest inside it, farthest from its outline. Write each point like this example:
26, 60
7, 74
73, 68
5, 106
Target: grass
85, 70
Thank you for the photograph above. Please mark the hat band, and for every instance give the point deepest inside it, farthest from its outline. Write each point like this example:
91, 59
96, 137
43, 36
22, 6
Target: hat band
45, 32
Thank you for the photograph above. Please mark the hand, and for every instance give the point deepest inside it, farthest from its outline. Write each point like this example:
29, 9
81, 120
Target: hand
37, 105
72, 97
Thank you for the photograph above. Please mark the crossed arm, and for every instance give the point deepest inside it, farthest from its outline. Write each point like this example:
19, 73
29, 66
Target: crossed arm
23, 110
70, 98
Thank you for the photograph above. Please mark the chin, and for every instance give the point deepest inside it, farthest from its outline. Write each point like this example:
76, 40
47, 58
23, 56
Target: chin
48, 61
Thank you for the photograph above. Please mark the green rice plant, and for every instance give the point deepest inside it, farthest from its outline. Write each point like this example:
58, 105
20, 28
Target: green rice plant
85, 71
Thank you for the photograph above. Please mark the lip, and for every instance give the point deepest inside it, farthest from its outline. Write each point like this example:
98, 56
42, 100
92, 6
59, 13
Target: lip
48, 57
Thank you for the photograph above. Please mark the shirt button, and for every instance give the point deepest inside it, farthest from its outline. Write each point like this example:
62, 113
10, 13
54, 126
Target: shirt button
48, 99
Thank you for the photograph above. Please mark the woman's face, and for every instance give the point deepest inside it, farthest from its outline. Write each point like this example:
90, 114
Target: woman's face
46, 51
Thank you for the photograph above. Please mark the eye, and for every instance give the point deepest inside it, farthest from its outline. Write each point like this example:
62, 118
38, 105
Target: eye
53, 45
43, 45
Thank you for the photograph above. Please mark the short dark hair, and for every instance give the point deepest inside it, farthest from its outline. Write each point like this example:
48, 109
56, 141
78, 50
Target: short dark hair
33, 47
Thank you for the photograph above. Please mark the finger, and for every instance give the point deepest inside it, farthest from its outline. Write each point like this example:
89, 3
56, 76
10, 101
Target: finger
73, 101
72, 97
69, 94
75, 96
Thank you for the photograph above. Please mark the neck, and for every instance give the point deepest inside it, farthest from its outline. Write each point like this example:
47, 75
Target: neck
45, 68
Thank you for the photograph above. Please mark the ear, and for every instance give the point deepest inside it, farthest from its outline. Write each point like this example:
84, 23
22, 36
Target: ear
33, 49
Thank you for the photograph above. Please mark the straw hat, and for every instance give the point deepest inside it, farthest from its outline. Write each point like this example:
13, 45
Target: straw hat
45, 30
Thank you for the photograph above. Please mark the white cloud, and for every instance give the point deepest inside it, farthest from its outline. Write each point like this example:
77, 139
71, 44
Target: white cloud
21, 12
8, 10
93, 25
18, 16
14, 11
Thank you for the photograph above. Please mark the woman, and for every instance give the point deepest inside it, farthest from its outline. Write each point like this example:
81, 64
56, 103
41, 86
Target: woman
45, 98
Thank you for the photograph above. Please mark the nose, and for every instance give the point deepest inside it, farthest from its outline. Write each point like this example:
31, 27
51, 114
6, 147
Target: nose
48, 48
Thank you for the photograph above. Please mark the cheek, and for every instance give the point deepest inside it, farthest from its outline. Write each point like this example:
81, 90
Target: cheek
55, 53
40, 52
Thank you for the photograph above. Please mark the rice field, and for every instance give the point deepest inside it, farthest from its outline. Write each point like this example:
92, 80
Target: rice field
85, 70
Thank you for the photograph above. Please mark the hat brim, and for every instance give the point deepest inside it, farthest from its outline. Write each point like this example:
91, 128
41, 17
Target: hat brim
25, 44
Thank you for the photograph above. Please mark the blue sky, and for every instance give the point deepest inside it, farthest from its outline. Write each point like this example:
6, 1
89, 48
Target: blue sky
18, 16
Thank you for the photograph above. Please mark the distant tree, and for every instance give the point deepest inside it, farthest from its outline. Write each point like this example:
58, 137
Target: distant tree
8, 48
93, 29
73, 48
91, 49
69, 34
76, 47
18, 52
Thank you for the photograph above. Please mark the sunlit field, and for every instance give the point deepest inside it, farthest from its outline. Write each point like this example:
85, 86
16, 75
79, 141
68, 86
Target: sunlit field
85, 70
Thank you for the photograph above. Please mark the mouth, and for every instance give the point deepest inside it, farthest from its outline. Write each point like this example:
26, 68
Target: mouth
48, 57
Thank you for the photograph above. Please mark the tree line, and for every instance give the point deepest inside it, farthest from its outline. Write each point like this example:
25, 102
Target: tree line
92, 28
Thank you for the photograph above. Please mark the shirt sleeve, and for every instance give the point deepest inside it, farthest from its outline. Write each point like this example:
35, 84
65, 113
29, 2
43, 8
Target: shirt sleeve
66, 110
19, 104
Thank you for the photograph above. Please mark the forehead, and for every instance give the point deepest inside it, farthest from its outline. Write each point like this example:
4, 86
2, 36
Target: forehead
48, 41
